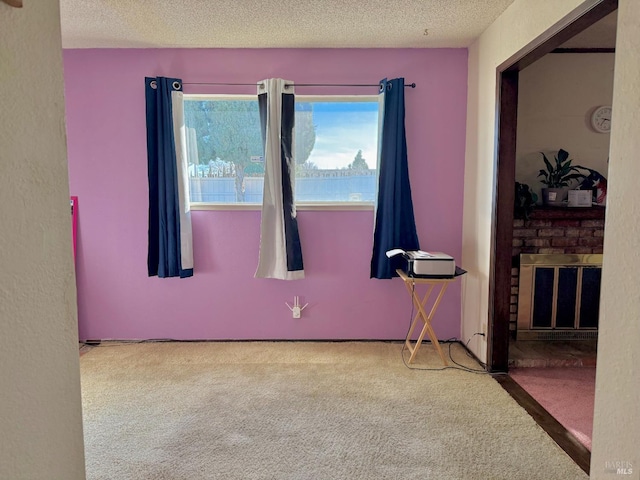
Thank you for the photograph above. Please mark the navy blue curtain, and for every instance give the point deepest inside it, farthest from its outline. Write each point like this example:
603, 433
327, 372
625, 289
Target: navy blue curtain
170, 245
395, 225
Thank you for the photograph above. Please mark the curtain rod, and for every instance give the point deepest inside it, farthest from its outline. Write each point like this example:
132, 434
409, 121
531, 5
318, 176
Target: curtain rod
412, 85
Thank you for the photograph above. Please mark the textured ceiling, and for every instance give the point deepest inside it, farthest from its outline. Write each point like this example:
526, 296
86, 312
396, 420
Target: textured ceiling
275, 23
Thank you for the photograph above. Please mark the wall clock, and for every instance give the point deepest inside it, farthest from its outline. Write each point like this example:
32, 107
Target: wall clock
601, 119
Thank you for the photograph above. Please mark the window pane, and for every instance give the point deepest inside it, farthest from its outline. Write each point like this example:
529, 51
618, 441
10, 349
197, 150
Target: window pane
341, 164
225, 150
335, 149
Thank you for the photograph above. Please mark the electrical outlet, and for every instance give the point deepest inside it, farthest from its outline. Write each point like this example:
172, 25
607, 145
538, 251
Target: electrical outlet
296, 312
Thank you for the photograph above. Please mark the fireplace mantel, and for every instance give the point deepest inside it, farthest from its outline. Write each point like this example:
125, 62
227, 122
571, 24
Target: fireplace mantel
567, 213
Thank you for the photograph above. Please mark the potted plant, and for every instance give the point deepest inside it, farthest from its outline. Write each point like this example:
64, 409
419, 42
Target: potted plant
525, 201
557, 178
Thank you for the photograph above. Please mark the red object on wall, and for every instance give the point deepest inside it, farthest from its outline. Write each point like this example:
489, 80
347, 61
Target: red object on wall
74, 222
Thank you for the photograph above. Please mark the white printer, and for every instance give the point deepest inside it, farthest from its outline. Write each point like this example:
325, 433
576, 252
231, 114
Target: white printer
417, 263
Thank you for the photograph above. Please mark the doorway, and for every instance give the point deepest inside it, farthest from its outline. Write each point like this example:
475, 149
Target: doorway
501, 256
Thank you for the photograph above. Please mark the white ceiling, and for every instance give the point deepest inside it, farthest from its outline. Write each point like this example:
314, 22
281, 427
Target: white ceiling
275, 23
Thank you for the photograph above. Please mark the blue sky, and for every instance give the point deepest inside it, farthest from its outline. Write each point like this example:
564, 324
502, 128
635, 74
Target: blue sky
343, 128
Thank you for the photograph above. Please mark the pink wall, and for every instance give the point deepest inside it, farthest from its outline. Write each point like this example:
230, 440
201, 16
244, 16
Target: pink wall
108, 173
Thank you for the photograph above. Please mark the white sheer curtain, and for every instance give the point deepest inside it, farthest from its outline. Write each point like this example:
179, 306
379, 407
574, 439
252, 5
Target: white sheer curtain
280, 248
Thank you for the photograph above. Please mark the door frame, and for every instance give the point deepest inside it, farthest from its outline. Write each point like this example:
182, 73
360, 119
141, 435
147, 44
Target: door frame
502, 225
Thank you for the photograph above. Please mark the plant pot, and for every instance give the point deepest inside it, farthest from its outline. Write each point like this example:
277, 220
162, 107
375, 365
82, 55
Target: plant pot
554, 197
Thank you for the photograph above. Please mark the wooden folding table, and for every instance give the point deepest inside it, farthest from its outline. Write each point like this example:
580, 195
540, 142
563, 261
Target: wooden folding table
421, 314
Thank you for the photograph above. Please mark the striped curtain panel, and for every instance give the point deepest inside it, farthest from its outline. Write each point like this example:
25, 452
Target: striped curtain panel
395, 226
170, 251
280, 249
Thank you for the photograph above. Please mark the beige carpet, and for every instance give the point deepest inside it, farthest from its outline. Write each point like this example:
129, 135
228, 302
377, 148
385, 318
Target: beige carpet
297, 410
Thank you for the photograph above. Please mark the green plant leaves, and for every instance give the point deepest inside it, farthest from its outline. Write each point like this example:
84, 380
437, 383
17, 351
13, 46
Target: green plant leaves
560, 175
562, 156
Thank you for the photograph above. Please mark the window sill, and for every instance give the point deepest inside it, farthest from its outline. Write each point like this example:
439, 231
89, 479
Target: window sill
318, 206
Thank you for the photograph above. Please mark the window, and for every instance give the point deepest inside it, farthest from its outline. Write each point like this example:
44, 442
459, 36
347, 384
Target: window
336, 142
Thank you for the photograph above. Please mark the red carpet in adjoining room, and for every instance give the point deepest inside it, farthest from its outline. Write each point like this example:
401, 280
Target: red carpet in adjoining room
566, 393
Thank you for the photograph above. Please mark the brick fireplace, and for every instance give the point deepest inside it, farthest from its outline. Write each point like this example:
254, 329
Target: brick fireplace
554, 231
